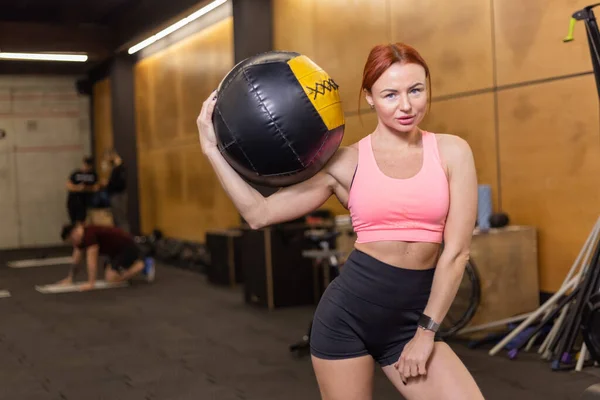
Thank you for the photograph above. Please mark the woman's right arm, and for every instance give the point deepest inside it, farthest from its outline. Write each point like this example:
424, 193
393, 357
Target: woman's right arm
287, 204
73, 187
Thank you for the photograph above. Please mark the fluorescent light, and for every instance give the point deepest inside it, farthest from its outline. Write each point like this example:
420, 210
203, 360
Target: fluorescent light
44, 57
178, 25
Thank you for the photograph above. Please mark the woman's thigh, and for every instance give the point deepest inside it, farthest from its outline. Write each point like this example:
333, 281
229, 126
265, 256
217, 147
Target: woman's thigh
345, 379
447, 378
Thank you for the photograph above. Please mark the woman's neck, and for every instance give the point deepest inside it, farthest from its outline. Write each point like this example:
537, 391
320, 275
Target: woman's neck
392, 138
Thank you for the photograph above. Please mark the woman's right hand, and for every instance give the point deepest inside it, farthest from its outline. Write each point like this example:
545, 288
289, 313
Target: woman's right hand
206, 131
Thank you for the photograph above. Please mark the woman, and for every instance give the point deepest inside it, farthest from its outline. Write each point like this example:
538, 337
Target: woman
406, 190
116, 189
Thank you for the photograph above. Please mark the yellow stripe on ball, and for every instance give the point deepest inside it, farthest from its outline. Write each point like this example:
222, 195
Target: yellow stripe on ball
320, 89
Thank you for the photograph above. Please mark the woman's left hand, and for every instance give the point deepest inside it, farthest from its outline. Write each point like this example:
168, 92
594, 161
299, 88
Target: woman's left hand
414, 357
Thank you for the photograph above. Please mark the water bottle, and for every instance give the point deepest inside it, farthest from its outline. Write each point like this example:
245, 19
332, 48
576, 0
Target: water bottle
484, 207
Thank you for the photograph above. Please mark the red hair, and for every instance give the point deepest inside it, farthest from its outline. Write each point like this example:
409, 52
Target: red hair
383, 56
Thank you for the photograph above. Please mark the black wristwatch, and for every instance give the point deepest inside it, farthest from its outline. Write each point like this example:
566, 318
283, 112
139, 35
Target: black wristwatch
427, 323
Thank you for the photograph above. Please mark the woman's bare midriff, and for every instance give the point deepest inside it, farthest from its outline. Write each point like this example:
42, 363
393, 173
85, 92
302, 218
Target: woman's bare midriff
417, 255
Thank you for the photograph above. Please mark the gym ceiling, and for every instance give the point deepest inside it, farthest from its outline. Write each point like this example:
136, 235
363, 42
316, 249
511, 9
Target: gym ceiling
100, 28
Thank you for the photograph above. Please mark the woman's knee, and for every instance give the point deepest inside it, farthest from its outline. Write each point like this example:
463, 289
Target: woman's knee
110, 275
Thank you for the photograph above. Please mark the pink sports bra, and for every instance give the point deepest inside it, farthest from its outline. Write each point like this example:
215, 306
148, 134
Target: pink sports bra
410, 210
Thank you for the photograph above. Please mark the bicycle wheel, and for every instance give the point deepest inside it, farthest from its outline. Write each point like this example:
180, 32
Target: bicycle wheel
465, 303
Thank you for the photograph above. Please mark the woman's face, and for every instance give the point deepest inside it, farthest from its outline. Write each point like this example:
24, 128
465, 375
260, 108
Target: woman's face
400, 96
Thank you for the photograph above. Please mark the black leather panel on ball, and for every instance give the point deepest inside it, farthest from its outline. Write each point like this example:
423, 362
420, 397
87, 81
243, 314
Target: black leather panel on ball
334, 138
231, 151
224, 137
290, 109
272, 56
246, 120
289, 116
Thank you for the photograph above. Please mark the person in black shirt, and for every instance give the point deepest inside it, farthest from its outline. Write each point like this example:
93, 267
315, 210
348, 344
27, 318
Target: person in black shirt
82, 183
116, 188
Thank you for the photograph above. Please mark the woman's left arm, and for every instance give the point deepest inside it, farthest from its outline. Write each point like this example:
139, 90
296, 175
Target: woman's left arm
458, 232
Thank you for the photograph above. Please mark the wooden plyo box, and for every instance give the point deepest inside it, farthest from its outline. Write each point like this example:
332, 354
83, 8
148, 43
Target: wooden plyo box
506, 260
225, 257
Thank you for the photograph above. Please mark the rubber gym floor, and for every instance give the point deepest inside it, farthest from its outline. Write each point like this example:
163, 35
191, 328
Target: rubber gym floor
182, 338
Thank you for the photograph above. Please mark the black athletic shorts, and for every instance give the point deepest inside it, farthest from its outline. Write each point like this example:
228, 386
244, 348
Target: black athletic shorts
77, 209
126, 258
370, 308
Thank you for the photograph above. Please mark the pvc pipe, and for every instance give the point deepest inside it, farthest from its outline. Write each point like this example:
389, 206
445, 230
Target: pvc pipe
533, 316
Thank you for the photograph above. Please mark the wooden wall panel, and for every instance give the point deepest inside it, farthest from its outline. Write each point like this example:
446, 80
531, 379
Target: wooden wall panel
550, 164
201, 186
203, 63
174, 174
359, 126
144, 105
147, 191
187, 199
103, 131
453, 37
204, 191
164, 76
294, 26
345, 32
456, 117
529, 40
179, 192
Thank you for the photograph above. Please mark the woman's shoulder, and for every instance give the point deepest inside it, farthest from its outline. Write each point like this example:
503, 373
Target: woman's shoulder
452, 148
346, 154
344, 161
451, 143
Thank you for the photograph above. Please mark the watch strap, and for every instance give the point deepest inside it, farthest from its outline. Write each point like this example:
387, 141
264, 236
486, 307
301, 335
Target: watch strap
427, 323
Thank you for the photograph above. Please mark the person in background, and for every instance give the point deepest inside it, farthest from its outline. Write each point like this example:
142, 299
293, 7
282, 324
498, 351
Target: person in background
91, 241
81, 185
116, 189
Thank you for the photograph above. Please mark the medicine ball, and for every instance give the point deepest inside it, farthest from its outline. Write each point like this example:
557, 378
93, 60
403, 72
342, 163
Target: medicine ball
278, 118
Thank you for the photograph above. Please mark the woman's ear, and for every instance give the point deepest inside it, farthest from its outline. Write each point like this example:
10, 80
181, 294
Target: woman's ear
369, 98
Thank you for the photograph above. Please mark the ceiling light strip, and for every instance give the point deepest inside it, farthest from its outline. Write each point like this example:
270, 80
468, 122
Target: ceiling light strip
176, 26
44, 57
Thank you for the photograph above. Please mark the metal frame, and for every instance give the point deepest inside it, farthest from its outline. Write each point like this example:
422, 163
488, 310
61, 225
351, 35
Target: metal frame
587, 16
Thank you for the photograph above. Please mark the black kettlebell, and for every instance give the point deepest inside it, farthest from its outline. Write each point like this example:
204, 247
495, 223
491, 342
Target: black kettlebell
499, 220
